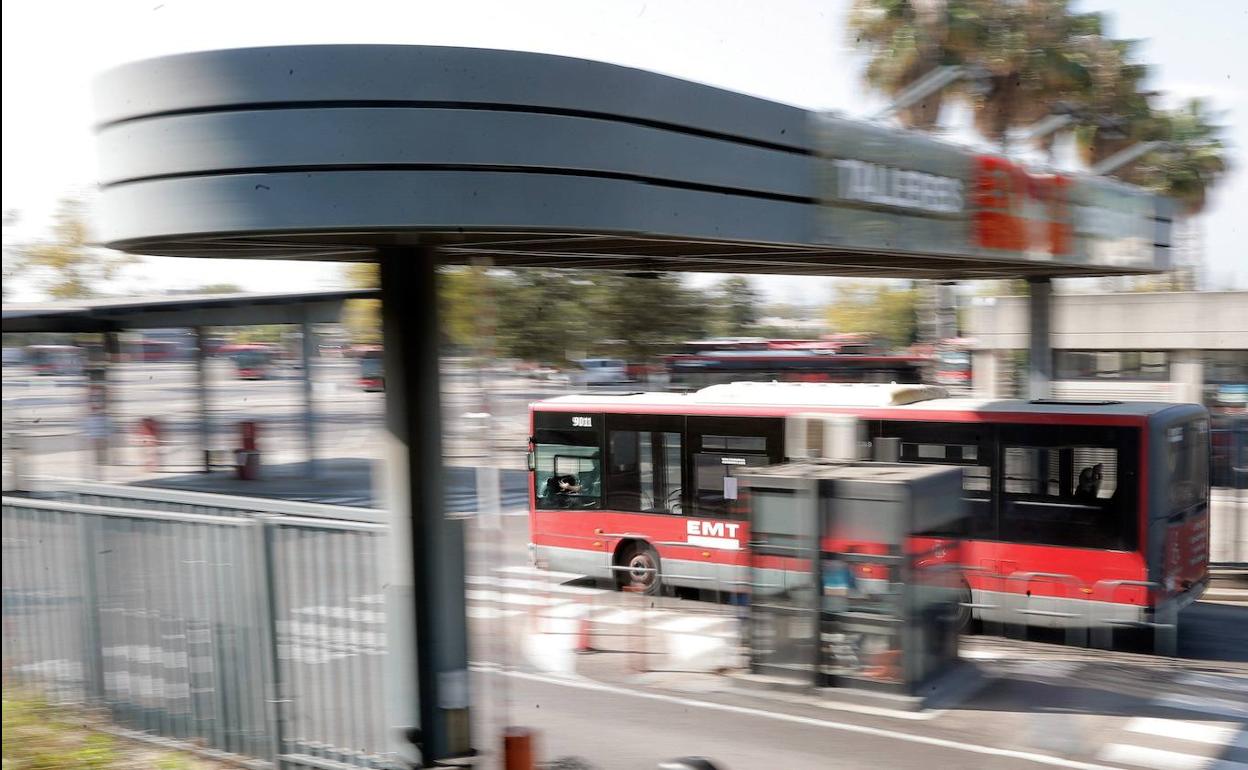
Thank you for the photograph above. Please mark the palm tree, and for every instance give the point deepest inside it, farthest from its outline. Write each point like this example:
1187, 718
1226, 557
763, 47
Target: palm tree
1193, 163
1031, 53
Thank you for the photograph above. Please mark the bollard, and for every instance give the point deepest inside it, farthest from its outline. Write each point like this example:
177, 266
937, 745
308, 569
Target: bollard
248, 455
518, 748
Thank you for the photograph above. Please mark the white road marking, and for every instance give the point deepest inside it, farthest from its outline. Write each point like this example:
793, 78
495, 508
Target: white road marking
1232, 683
509, 598
1145, 757
490, 613
549, 574
982, 655
1219, 706
1200, 732
880, 732
692, 624
537, 586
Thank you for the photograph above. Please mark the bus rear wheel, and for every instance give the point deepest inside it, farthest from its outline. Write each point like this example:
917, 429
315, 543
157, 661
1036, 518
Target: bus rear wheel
642, 575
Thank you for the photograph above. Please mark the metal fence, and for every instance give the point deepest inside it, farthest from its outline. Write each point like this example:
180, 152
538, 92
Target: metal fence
261, 637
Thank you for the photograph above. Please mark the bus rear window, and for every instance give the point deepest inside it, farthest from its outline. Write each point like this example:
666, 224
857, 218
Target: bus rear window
1187, 454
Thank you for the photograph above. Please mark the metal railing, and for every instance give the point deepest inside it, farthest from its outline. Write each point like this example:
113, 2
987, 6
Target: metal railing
257, 636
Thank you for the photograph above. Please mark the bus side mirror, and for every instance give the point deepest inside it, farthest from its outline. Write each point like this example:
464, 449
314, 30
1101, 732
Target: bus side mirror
531, 459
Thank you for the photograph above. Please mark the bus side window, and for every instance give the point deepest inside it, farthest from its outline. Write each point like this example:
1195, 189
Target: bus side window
953, 444
1073, 486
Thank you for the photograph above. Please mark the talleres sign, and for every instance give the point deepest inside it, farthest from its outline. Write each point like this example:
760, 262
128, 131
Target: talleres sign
894, 191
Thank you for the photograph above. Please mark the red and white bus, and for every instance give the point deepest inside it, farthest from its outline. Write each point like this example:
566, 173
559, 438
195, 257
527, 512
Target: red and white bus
1098, 510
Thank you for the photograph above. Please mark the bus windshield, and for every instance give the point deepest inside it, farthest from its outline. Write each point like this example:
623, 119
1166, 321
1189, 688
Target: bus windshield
1187, 453
568, 469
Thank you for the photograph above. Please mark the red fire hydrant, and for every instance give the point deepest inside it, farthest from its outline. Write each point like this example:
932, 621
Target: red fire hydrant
248, 454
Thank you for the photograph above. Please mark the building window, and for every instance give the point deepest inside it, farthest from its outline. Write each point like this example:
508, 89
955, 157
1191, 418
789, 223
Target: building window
1137, 365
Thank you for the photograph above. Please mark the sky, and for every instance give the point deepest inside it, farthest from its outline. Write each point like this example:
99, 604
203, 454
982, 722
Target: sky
793, 51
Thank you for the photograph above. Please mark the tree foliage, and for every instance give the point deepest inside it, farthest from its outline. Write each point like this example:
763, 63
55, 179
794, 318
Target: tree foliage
875, 308
737, 307
362, 317
1039, 57
1030, 54
638, 317
68, 266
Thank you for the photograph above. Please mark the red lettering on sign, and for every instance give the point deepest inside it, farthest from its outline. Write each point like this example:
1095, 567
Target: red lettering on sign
1015, 211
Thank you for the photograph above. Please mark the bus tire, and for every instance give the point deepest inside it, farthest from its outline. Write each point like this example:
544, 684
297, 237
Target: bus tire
639, 555
964, 619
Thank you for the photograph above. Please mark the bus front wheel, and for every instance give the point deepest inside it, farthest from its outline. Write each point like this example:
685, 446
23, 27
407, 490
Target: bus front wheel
643, 575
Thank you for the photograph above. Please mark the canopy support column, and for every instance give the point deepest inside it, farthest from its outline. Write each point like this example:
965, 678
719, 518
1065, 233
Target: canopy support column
204, 428
308, 353
428, 676
1040, 345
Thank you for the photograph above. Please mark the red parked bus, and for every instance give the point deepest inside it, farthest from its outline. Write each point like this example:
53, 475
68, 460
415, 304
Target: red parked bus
1099, 510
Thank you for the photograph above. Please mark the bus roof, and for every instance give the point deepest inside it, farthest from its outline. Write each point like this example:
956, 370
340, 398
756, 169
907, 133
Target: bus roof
796, 396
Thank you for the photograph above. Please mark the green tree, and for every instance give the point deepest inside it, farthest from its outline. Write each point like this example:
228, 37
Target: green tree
737, 306
466, 295
1194, 160
544, 315
362, 317
643, 316
875, 308
68, 266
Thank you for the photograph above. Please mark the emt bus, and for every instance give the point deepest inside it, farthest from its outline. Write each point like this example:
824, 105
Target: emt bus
1101, 508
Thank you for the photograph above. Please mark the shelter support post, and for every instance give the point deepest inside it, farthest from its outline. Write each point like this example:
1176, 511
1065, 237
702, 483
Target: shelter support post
946, 310
1040, 358
428, 678
986, 374
201, 391
308, 352
1188, 376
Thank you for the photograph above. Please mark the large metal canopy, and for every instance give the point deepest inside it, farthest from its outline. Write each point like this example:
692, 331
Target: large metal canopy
183, 311
330, 152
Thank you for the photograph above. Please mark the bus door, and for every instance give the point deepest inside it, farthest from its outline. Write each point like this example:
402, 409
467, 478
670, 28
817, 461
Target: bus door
716, 446
1178, 534
643, 470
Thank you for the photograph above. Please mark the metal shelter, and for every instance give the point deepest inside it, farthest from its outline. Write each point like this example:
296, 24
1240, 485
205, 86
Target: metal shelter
197, 312
413, 156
